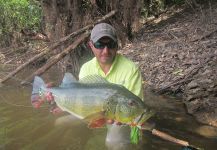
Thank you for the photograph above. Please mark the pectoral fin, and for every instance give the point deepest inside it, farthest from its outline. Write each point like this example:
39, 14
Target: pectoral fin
96, 120
97, 123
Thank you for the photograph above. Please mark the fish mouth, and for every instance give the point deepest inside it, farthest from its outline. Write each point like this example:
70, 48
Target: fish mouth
143, 117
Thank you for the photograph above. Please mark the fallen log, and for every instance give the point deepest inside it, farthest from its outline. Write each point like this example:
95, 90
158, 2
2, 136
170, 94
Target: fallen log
55, 45
57, 58
18, 69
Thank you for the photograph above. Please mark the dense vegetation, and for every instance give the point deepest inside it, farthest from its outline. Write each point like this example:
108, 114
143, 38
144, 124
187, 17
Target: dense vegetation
17, 15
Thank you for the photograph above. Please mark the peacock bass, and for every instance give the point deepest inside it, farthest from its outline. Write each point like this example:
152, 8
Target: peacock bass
96, 100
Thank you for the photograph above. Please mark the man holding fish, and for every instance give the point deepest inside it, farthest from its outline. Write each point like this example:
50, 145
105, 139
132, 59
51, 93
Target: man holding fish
114, 68
111, 84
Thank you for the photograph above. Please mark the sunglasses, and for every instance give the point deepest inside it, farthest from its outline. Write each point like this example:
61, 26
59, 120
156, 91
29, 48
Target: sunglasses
101, 45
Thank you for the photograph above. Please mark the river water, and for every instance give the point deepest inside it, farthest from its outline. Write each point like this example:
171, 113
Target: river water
25, 128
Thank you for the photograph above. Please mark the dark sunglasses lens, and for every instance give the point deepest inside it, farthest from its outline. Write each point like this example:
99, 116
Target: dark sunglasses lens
112, 45
100, 45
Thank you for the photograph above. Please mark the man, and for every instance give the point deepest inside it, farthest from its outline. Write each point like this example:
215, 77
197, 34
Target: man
108, 64
115, 68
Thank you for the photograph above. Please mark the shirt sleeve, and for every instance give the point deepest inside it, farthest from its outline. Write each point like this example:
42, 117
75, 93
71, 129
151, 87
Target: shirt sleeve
134, 84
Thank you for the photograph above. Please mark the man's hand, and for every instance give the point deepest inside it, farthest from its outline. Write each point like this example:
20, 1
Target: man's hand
54, 108
37, 104
36, 101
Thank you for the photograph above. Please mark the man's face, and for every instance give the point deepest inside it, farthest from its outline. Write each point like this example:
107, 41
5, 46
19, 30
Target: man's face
104, 49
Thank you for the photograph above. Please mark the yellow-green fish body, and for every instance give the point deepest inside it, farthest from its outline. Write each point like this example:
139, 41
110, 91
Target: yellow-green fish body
94, 95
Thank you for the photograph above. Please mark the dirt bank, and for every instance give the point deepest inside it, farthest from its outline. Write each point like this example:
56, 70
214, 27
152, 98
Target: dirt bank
179, 56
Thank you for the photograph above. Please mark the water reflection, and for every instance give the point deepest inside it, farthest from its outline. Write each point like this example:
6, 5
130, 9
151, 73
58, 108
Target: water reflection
22, 127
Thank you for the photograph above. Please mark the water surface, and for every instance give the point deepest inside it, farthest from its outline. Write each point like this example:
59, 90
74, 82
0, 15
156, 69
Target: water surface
25, 128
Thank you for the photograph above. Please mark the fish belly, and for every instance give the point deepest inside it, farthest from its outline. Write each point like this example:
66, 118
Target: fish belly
80, 103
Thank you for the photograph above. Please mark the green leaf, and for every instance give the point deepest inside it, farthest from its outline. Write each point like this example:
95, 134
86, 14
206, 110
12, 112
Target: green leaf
135, 135
178, 72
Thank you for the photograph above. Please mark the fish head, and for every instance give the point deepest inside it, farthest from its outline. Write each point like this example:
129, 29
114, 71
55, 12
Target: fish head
132, 111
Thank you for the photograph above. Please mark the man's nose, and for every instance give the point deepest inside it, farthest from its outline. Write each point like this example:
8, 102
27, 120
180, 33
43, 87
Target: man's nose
105, 50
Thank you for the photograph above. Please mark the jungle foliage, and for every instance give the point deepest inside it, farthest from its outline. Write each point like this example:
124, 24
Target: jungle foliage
17, 15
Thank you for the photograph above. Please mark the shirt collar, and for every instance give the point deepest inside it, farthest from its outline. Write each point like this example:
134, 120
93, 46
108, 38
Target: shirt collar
110, 70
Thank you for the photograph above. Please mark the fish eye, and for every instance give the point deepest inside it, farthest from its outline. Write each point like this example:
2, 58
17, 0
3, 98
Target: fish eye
131, 103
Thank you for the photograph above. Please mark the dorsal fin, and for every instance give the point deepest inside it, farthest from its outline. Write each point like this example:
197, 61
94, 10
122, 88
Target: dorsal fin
68, 80
93, 79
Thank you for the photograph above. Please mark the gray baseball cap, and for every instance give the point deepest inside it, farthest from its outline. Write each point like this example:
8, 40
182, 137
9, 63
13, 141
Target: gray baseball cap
101, 30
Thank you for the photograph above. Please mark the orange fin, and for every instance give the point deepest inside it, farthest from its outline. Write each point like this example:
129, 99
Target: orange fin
99, 123
96, 120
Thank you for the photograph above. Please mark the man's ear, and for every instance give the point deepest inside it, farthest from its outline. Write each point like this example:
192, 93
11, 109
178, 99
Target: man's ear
90, 44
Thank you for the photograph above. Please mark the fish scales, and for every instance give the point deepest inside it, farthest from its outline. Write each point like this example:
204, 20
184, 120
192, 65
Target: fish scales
87, 97
83, 97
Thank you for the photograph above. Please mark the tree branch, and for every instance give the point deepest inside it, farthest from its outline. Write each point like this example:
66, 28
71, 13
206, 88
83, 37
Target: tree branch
57, 58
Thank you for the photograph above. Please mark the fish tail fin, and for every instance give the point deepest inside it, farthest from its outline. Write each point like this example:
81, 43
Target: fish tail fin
37, 84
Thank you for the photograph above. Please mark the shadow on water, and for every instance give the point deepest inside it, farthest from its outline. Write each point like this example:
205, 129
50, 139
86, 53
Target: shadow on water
22, 127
